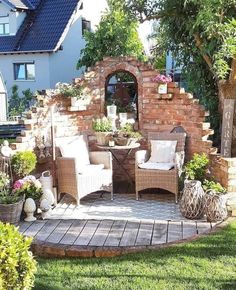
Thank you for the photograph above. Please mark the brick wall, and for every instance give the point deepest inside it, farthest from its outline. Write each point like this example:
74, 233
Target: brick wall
157, 112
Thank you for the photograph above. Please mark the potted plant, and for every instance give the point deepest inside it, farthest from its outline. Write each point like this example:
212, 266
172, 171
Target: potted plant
127, 135
23, 163
74, 91
28, 186
215, 201
11, 203
192, 201
162, 81
103, 130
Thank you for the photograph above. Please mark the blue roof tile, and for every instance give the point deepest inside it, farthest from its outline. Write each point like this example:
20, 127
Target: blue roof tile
42, 27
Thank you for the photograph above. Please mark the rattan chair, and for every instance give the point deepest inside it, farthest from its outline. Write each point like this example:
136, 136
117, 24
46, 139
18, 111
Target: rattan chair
154, 178
80, 185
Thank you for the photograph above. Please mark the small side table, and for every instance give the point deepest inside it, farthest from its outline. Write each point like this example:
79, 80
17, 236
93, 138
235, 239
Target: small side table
120, 162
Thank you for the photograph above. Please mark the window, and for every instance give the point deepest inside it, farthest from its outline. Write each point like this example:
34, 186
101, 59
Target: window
86, 25
24, 71
4, 29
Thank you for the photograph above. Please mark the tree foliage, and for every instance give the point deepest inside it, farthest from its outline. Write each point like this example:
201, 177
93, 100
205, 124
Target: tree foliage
116, 35
195, 27
201, 35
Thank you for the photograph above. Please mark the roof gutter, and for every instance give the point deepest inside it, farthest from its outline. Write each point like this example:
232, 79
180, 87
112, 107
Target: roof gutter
26, 52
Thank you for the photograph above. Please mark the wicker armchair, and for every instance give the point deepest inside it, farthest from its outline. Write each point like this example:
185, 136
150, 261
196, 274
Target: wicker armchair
154, 178
80, 185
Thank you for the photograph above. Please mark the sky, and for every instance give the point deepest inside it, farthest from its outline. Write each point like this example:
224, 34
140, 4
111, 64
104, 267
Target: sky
91, 8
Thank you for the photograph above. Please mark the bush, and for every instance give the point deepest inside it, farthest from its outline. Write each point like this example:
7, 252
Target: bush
211, 185
17, 266
196, 168
23, 163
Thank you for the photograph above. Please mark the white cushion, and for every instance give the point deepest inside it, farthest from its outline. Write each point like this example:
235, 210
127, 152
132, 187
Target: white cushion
74, 147
162, 151
90, 169
155, 165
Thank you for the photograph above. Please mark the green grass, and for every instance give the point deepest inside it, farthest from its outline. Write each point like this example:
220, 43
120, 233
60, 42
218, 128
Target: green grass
208, 263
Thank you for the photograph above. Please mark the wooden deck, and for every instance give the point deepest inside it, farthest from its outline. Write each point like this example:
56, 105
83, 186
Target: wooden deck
109, 233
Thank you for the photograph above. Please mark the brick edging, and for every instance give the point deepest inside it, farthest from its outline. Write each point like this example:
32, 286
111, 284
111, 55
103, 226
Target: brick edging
51, 250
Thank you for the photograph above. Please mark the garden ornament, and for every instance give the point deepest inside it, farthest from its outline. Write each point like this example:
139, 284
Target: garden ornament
29, 209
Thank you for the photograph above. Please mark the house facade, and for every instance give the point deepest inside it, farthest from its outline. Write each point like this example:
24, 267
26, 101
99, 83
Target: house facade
41, 41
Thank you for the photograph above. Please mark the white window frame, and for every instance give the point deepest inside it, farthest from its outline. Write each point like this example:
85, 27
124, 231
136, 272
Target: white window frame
25, 63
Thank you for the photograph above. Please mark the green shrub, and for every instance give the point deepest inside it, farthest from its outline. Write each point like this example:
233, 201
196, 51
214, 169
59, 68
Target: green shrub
17, 266
196, 168
102, 125
23, 163
213, 186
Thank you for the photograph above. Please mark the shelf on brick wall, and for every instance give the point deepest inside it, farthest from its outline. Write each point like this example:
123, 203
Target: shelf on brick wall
77, 108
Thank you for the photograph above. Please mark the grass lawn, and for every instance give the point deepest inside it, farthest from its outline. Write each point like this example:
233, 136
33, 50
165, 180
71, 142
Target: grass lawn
208, 263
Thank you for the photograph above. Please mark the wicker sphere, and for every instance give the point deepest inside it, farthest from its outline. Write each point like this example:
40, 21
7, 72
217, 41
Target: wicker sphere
215, 207
192, 201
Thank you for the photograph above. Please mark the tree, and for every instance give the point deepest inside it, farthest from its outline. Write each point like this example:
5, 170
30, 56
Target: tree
116, 35
201, 32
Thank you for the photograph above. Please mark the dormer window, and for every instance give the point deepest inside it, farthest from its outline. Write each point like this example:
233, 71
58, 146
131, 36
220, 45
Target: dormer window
86, 25
4, 25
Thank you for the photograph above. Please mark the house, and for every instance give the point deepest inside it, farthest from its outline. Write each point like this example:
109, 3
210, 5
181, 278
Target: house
41, 40
3, 100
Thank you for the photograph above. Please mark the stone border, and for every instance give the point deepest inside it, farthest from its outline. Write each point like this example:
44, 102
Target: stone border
51, 250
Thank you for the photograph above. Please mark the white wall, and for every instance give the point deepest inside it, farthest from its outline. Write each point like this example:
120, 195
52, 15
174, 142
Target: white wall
3, 100
42, 79
62, 63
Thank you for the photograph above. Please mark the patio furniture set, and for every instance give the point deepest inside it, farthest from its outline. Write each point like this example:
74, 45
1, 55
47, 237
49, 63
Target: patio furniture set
80, 172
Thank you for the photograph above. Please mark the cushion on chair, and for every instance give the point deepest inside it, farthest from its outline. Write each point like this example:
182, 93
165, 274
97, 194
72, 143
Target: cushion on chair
74, 147
155, 165
162, 151
90, 169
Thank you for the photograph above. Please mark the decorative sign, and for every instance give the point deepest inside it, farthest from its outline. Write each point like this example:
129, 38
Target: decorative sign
227, 127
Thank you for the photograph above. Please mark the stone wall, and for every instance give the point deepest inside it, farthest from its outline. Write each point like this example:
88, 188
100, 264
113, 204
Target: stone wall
224, 171
156, 112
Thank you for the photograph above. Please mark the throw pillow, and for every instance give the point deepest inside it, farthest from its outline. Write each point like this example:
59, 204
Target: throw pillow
162, 151
74, 147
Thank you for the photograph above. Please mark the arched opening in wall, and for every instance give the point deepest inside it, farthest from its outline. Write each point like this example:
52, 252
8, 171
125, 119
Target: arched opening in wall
121, 89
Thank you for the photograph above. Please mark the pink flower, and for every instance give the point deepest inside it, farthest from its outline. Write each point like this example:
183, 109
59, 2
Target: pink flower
18, 184
162, 79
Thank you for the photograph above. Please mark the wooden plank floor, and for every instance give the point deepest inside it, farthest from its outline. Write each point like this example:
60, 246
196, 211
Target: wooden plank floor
109, 233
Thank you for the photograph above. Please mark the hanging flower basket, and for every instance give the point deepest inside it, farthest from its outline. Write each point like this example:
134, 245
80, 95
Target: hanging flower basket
192, 201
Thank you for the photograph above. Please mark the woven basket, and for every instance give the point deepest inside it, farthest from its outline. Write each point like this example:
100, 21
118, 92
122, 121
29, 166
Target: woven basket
215, 207
10, 213
192, 201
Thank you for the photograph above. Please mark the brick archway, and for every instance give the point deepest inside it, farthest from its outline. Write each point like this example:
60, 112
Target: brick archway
156, 112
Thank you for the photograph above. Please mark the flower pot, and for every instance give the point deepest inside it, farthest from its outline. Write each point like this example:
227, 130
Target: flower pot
10, 213
103, 138
192, 201
215, 207
162, 89
76, 102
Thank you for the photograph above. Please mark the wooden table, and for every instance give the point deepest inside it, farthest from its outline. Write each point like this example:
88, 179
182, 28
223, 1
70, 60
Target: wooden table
120, 162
